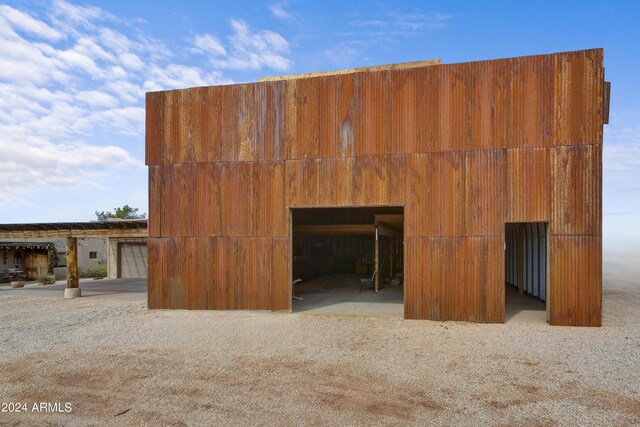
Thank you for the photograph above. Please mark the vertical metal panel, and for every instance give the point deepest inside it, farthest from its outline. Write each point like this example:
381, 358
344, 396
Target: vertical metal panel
405, 88
576, 280
155, 202
397, 180
270, 218
275, 147
202, 274
280, 274
154, 122
207, 203
302, 182
372, 124
455, 278
237, 201
211, 140
576, 193
579, 97
372, 179
154, 275
484, 193
435, 185
307, 139
528, 175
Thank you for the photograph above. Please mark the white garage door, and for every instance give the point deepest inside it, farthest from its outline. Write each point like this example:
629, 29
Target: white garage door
133, 260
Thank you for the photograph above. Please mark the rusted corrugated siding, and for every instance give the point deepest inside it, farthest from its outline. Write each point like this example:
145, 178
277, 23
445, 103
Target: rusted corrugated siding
465, 148
528, 182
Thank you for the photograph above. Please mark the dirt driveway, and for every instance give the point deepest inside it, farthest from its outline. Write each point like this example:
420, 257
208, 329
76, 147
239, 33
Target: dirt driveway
115, 362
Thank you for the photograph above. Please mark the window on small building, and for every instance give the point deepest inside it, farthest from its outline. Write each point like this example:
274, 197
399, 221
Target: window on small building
93, 255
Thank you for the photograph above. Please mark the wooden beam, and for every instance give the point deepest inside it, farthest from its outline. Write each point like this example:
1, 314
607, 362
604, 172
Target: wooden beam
339, 229
72, 262
386, 231
27, 234
401, 66
390, 218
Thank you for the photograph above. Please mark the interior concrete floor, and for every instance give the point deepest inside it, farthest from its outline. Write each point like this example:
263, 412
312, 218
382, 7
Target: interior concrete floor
523, 309
338, 294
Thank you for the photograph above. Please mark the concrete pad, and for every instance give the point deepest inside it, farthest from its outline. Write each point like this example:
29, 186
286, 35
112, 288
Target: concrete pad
523, 309
339, 295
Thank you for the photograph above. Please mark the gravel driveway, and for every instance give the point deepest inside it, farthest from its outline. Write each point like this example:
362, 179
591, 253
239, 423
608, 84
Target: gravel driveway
117, 363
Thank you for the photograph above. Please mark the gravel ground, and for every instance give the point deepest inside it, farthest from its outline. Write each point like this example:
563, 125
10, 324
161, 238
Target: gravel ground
118, 363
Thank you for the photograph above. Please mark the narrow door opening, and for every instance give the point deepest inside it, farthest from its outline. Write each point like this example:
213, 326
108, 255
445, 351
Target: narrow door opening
348, 261
526, 275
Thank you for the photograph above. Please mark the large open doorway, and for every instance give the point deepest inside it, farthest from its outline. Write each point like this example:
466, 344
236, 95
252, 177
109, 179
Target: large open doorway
526, 272
348, 261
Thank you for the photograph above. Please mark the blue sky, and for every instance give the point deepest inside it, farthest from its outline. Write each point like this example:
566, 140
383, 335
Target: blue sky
73, 78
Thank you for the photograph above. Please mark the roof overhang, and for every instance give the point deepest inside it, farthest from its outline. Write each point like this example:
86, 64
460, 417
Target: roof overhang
125, 228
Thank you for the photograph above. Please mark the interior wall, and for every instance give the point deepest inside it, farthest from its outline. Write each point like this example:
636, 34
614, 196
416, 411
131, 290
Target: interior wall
314, 256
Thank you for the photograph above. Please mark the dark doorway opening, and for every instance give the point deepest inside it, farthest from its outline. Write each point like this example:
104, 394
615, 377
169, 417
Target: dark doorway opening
350, 261
526, 272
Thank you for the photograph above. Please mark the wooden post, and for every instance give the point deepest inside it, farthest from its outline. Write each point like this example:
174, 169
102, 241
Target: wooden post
377, 266
72, 262
521, 241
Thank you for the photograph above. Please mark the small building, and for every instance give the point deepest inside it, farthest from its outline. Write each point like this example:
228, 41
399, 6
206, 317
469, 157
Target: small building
473, 175
79, 247
26, 259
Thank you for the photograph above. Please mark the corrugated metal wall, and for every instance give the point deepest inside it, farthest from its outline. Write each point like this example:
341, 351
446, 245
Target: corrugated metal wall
465, 148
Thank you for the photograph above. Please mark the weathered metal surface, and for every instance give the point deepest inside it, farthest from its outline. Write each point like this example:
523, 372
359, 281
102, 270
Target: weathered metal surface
575, 287
465, 148
528, 176
576, 190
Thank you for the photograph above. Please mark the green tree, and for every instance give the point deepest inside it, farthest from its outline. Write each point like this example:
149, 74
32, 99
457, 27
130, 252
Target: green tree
125, 212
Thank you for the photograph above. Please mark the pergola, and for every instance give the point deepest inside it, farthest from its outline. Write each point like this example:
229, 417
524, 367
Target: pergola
72, 231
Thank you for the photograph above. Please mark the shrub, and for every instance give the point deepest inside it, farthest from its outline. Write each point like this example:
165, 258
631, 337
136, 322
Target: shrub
46, 279
100, 271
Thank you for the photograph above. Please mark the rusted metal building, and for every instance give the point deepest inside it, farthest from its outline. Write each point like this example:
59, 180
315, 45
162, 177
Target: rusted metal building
473, 155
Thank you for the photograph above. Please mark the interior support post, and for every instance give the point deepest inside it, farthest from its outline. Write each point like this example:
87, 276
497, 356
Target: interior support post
521, 241
377, 264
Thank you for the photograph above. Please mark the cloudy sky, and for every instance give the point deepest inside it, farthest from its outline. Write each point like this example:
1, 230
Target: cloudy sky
73, 78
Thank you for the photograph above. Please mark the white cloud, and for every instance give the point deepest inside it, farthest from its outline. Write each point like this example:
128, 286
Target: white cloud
376, 27
176, 76
247, 50
96, 99
278, 11
208, 44
397, 23
72, 84
345, 54
24, 22
78, 16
